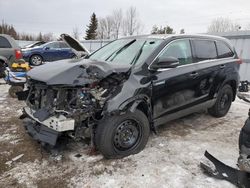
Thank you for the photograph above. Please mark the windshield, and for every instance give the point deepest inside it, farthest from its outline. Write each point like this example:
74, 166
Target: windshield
126, 51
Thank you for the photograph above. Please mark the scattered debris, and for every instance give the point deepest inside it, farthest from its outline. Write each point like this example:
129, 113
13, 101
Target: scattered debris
225, 172
243, 87
78, 155
239, 177
14, 159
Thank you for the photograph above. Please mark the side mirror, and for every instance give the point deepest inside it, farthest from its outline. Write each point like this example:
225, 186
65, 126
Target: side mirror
46, 48
165, 62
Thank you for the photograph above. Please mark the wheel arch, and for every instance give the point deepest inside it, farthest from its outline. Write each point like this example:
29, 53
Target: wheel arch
233, 85
231, 82
142, 103
3, 59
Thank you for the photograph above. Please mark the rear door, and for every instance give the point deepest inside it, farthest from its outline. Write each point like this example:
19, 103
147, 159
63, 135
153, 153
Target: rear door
51, 51
205, 57
210, 69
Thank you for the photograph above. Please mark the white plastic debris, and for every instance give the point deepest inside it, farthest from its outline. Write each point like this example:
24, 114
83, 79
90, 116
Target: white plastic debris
14, 159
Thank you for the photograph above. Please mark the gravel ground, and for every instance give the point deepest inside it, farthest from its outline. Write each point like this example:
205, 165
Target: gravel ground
170, 159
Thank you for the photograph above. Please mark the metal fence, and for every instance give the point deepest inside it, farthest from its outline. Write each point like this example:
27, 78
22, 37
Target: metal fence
93, 45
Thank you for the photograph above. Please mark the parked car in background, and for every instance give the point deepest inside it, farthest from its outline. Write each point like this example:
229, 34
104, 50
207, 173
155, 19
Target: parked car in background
9, 52
34, 44
117, 94
51, 51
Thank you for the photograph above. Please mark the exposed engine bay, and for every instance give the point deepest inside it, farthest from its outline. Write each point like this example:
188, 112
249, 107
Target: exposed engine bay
66, 108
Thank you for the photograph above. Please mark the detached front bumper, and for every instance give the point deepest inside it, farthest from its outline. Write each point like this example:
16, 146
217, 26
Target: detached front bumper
41, 133
49, 130
57, 123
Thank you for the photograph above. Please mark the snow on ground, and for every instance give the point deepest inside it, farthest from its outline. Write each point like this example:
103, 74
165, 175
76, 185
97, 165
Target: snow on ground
170, 159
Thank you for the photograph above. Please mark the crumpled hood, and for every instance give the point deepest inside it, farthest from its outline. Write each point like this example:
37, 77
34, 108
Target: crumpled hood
75, 72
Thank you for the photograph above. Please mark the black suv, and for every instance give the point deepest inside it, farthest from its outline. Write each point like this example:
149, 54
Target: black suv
116, 95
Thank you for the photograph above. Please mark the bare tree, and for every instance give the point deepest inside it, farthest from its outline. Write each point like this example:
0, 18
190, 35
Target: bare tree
223, 25
75, 32
105, 27
117, 21
109, 26
131, 23
101, 28
48, 37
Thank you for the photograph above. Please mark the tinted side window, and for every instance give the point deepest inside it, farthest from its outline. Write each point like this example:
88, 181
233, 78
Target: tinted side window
179, 49
4, 43
63, 45
53, 45
223, 50
204, 49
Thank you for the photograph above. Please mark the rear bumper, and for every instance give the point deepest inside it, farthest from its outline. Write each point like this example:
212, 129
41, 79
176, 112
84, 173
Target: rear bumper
41, 133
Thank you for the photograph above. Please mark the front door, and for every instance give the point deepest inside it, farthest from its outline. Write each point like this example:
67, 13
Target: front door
51, 51
175, 89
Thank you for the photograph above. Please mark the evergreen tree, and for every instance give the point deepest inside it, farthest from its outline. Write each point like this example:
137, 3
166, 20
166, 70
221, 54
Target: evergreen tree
91, 31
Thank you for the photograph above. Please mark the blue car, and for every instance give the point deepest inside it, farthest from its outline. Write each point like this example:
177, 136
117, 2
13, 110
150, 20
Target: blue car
51, 51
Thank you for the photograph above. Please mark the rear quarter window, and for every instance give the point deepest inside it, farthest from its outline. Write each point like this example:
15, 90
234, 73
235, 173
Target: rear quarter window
204, 50
4, 43
223, 50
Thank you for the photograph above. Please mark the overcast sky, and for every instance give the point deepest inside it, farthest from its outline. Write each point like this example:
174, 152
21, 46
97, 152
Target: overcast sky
61, 16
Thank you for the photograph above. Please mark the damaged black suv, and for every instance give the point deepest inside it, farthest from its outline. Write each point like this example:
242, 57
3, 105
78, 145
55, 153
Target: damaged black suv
121, 92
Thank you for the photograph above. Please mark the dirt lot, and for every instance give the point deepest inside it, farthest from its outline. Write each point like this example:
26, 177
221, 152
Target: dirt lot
170, 159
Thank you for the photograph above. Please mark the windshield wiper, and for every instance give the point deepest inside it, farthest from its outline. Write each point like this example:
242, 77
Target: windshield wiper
137, 56
120, 50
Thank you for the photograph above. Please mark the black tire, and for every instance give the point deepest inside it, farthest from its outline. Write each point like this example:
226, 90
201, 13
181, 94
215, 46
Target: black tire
120, 136
36, 60
2, 69
14, 89
223, 102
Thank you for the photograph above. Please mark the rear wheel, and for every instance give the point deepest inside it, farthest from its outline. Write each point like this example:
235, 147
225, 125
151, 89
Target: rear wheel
223, 102
36, 60
120, 136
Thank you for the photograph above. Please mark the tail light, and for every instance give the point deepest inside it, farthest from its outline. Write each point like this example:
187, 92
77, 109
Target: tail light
18, 54
239, 61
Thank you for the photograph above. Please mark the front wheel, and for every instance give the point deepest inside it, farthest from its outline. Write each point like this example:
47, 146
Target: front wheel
223, 102
123, 135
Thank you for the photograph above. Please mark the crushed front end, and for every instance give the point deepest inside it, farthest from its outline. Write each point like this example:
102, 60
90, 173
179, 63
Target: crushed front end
55, 110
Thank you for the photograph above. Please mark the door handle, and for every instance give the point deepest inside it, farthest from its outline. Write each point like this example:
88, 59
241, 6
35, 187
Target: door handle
222, 66
194, 74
